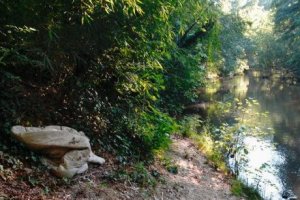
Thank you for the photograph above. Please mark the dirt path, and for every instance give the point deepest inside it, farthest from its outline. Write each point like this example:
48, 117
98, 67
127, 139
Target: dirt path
195, 180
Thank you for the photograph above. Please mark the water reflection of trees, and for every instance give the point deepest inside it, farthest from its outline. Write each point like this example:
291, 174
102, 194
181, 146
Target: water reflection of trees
281, 100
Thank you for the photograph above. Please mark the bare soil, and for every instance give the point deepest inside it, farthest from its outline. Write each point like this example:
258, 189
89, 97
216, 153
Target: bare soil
196, 179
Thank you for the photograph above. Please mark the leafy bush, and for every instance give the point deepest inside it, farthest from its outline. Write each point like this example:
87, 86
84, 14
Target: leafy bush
190, 125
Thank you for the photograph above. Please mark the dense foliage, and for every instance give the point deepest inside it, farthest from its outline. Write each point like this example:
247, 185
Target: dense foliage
119, 70
278, 47
287, 29
234, 43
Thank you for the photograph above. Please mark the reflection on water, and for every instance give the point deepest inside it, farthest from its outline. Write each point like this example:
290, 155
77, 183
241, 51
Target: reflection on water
238, 86
261, 168
282, 101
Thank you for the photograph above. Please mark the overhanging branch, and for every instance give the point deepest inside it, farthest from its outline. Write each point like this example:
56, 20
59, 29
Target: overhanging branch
186, 41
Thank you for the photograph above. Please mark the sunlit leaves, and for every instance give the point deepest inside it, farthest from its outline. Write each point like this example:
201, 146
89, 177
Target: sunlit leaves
129, 7
91, 7
132, 6
232, 35
23, 29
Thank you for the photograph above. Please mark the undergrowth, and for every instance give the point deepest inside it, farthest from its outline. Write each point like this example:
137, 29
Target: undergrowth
240, 189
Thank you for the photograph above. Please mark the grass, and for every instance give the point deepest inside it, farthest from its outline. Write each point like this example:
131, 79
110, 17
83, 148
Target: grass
206, 145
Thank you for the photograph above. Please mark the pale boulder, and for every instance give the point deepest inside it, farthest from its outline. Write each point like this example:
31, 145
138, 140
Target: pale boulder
64, 150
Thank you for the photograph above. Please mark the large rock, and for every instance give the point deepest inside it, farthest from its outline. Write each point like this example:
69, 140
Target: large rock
64, 150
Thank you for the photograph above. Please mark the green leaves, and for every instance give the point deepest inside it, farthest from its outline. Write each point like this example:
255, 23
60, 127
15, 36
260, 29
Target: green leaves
287, 32
112, 68
155, 128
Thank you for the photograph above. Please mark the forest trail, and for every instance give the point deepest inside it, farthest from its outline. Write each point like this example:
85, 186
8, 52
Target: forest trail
194, 180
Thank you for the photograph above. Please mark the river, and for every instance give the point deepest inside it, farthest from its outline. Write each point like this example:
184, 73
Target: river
273, 160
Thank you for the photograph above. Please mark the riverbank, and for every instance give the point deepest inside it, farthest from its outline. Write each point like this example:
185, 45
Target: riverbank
196, 179
255, 121
189, 177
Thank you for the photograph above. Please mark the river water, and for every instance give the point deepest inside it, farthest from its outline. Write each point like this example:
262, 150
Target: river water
273, 161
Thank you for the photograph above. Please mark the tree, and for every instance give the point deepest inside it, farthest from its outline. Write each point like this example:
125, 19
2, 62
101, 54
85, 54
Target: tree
287, 29
114, 69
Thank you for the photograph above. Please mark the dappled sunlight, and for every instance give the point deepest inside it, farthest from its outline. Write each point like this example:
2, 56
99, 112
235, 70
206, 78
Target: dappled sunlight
195, 178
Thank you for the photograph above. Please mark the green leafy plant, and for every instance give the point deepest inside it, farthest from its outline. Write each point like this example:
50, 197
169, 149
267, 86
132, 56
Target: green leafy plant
240, 189
142, 176
190, 125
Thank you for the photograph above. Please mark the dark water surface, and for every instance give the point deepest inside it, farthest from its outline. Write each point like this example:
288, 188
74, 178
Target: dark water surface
280, 151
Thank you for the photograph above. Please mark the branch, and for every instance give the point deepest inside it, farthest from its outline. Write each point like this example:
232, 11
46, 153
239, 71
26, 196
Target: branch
187, 41
180, 41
